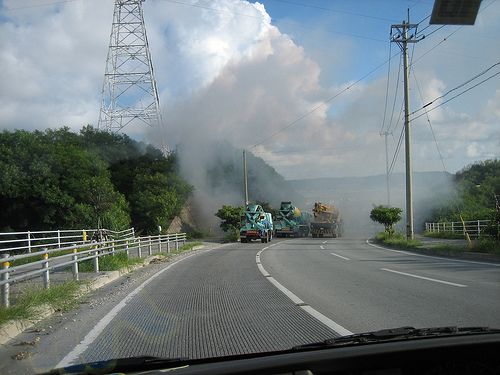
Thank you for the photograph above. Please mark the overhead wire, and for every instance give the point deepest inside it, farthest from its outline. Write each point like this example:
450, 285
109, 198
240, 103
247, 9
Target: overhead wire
275, 21
386, 91
458, 87
321, 105
37, 5
460, 94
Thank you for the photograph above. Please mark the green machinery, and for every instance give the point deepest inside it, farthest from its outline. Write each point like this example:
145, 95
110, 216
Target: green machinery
290, 222
256, 224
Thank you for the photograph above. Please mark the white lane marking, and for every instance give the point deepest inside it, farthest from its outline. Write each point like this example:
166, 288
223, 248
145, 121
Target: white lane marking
431, 256
321, 247
340, 256
296, 300
102, 324
424, 278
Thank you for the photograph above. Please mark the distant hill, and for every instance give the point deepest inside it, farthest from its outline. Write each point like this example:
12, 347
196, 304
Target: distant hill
355, 197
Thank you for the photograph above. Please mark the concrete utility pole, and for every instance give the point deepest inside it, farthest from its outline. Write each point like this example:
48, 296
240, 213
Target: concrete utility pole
403, 39
245, 176
386, 134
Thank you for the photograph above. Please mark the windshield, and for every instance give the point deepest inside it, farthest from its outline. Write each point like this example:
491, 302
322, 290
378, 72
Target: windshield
205, 178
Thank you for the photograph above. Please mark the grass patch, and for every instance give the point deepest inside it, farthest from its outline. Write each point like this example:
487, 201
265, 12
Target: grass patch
397, 240
447, 235
19, 262
182, 249
449, 247
486, 246
61, 297
111, 262
232, 237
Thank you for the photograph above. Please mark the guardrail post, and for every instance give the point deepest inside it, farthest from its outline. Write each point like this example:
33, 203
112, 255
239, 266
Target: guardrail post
46, 273
176, 242
96, 259
168, 243
150, 249
58, 238
75, 264
184, 240
139, 247
6, 286
159, 244
29, 242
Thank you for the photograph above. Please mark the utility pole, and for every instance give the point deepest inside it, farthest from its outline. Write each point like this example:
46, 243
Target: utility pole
403, 39
386, 134
245, 176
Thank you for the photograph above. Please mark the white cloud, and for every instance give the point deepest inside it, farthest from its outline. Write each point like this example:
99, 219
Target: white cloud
225, 71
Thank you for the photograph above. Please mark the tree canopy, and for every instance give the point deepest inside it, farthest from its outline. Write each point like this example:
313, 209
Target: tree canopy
387, 216
230, 217
476, 187
58, 179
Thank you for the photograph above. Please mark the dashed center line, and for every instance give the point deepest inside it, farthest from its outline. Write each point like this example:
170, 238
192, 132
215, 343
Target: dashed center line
425, 278
340, 256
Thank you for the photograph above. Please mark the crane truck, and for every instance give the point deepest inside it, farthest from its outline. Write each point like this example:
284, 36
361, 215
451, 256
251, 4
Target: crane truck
326, 221
291, 222
256, 224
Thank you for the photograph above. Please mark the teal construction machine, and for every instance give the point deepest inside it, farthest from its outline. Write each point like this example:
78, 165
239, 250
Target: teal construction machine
256, 224
290, 222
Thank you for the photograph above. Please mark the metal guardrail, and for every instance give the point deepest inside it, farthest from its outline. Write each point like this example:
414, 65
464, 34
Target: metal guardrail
474, 228
32, 240
73, 254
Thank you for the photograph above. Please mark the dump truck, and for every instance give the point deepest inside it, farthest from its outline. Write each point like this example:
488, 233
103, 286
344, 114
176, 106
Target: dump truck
290, 221
326, 221
256, 224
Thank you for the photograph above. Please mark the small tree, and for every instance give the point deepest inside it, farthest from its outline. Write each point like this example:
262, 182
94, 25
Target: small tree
387, 216
230, 217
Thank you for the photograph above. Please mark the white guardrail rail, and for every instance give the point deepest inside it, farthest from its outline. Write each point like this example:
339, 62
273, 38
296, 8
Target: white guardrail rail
475, 228
56, 250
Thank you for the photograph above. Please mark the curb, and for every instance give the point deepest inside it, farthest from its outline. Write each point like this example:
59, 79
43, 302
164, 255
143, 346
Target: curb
485, 257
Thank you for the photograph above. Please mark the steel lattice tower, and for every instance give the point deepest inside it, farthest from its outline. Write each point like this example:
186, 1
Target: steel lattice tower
129, 94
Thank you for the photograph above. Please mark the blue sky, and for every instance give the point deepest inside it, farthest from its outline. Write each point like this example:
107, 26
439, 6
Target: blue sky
301, 84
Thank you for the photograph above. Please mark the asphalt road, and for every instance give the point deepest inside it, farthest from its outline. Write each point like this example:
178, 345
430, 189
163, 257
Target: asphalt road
364, 287
238, 298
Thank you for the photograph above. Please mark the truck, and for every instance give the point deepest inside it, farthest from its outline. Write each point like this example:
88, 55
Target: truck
326, 221
291, 222
256, 224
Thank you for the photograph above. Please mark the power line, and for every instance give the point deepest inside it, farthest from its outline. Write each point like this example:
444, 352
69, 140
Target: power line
274, 21
321, 105
460, 86
335, 10
456, 96
37, 5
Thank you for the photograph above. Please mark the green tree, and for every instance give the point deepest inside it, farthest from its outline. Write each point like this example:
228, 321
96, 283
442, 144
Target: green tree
153, 201
475, 185
230, 217
387, 216
58, 179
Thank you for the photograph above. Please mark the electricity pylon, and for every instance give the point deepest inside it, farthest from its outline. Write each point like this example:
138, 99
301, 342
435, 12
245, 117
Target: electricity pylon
129, 94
